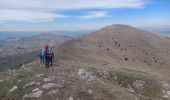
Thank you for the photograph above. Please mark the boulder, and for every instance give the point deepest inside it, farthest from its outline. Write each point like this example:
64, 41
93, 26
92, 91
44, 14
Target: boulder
31, 84
50, 86
34, 94
13, 89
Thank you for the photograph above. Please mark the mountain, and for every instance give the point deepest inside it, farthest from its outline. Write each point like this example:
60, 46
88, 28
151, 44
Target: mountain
131, 54
113, 44
118, 62
12, 52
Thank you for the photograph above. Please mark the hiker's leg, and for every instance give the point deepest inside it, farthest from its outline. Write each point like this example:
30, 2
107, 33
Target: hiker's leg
40, 59
44, 60
51, 61
47, 62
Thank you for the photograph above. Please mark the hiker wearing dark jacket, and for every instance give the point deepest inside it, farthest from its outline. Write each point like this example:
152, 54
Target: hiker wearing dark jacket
49, 55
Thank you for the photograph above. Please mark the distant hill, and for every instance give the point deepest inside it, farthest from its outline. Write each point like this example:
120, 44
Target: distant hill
30, 44
13, 52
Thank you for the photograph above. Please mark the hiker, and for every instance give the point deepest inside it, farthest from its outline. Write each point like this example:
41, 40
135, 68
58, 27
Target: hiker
42, 56
49, 55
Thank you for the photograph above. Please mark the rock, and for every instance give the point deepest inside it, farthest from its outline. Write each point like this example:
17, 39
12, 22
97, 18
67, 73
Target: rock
105, 73
61, 82
1, 81
131, 90
115, 77
90, 91
40, 75
52, 92
139, 83
163, 91
50, 79
35, 94
29, 64
57, 99
50, 86
31, 84
13, 89
70, 98
22, 67
165, 96
136, 98
166, 85
35, 90
168, 93
19, 81
84, 74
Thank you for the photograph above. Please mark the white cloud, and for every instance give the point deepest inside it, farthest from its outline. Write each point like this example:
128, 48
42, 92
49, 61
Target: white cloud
48, 10
94, 15
72, 4
29, 16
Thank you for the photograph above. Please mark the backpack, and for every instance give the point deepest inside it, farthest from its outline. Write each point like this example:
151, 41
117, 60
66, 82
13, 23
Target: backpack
49, 52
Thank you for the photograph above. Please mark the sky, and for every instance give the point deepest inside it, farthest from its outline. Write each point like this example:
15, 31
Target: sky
76, 15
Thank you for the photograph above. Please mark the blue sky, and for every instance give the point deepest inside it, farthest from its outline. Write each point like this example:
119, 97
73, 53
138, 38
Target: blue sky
73, 15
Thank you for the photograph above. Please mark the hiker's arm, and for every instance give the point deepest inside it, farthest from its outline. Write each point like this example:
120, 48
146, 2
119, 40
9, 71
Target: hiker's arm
53, 54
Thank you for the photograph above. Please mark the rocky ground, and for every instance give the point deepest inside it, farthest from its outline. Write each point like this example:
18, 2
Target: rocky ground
79, 83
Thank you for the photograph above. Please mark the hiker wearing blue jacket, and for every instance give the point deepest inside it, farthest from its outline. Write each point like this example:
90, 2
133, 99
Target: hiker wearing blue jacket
42, 55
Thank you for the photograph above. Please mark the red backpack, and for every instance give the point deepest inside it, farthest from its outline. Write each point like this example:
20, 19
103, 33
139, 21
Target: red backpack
49, 53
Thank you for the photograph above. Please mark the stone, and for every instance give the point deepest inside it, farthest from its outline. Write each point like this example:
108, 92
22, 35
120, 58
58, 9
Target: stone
139, 83
1, 81
19, 81
35, 94
13, 89
168, 93
115, 77
166, 85
84, 74
90, 91
52, 92
50, 79
70, 98
165, 96
35, 90
32, 83
50, 86
57, 99
22, 67
131, 90
40, 75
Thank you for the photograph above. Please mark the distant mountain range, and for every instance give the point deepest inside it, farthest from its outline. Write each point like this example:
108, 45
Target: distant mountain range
13, 35
165, 30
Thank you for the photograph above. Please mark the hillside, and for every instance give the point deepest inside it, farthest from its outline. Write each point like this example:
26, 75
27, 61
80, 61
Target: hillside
30, 44
118, 62
13, 52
